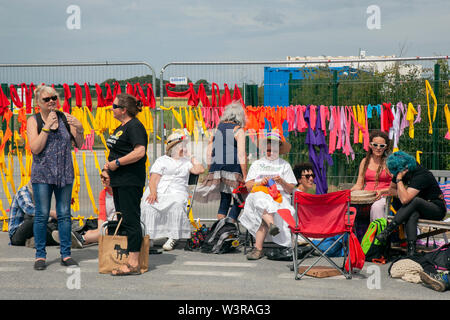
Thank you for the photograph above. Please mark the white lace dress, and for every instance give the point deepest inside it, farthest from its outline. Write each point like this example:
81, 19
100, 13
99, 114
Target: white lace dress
167, 217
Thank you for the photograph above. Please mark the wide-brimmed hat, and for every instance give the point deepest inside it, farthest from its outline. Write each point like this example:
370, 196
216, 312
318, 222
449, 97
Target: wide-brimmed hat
276, 136
173, 140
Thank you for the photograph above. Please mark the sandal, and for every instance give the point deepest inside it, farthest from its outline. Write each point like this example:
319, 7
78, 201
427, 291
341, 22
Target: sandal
133, 271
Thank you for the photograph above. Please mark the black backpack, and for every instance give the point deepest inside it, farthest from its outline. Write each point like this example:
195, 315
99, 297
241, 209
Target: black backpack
40, 123
439, 257
222, 237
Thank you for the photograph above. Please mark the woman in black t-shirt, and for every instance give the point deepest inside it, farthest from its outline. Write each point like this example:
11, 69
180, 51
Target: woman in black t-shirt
126, 168
419, 194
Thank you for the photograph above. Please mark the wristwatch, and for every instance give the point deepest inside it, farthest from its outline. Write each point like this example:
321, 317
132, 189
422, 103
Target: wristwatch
117, 163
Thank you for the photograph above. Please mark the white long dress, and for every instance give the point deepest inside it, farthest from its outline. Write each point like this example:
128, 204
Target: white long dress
258, 202
167, 217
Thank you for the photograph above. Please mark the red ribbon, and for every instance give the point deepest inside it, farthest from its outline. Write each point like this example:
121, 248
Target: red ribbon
87, 92
4, 103
78, 95
100, 99
67, 96
109, 97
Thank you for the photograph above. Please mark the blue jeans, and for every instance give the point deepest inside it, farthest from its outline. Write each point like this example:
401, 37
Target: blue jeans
42, 194
224, 206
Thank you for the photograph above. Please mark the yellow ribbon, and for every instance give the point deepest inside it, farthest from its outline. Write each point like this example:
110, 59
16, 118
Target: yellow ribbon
429, 91
447, 119
418, 153
410, 117
4, 217
97, 165
10, 172
88, 185
76, 184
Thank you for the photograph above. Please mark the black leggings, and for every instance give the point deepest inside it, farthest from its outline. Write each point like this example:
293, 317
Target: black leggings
416, 209
127, 201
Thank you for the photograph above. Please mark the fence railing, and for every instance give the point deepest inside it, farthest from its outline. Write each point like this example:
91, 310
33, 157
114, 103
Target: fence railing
333, 89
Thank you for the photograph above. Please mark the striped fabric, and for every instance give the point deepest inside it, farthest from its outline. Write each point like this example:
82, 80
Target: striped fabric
445, 187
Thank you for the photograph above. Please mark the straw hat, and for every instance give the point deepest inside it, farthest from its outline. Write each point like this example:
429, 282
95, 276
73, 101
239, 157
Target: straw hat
173, 140
275, 135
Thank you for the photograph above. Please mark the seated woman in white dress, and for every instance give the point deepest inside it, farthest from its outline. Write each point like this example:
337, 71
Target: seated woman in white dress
259, 216
164, 203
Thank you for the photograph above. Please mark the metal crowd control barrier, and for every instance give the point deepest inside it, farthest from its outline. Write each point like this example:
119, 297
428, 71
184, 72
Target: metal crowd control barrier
207, 210
93, 64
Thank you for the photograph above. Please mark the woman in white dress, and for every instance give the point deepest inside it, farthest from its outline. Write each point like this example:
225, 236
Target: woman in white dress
259, 216
164, 203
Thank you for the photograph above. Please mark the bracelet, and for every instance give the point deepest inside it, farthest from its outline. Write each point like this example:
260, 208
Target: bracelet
399, 181
45, 130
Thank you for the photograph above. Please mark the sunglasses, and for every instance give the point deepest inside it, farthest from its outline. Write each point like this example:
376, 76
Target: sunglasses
115, 106
47, 99
307, 176
378, 145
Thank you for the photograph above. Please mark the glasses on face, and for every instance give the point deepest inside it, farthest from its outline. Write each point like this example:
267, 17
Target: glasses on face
47, 99
378, 145
308, 176
115, 106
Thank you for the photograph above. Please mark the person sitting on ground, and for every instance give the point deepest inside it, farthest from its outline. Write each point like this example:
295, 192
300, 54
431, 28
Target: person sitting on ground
419, 194
107, 212
21, 219
373, 174
259, 215
164, 203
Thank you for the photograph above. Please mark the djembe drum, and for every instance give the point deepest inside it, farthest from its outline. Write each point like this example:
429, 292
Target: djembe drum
362, 200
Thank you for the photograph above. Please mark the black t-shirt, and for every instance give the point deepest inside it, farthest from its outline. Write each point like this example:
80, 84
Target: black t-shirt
423, 180
122, 142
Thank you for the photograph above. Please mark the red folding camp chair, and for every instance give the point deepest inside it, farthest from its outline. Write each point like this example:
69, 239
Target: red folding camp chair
323, 216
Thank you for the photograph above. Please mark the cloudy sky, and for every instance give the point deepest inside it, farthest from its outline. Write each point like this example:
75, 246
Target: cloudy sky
199, 30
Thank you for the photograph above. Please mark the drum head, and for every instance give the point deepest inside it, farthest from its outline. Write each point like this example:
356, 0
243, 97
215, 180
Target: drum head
363, 197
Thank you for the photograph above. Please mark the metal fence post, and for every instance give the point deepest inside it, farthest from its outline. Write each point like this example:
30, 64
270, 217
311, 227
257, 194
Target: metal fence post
435, 159
335, 103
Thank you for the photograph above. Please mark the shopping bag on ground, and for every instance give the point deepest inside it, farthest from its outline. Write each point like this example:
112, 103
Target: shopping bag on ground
112, 251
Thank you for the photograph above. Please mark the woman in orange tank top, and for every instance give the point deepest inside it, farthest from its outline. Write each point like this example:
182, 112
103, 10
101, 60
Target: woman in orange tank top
373, 173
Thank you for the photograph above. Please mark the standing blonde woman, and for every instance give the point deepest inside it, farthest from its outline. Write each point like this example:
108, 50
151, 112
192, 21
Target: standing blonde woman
52, 170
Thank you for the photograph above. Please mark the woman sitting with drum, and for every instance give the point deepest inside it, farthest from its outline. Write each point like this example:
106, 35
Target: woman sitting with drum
373, 173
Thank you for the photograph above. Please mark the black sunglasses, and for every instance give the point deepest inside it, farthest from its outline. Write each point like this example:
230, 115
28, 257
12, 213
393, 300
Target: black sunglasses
47, 99
115, 106
380, 145
307, 176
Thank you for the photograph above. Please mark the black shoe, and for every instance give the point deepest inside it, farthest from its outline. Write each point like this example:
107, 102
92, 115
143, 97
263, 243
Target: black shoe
77, 240
411, 249
69, 262
40, 265
384, 235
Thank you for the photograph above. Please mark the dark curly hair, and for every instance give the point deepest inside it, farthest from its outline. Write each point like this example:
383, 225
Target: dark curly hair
300, 168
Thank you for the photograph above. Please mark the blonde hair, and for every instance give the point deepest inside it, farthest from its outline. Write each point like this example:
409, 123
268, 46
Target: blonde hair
43, 88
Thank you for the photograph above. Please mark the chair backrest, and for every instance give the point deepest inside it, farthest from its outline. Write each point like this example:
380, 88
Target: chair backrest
323, 215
